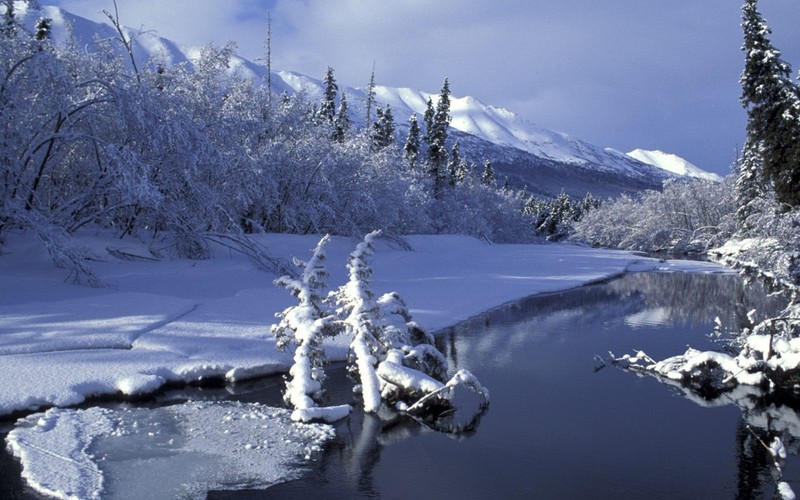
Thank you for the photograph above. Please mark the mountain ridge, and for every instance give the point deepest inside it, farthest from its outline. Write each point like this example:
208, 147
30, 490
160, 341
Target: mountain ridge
543, 160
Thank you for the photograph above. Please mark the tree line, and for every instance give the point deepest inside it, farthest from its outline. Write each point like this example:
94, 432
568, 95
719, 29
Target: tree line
183, 156
758, 203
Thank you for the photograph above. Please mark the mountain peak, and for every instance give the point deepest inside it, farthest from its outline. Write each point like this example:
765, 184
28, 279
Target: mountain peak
672, 163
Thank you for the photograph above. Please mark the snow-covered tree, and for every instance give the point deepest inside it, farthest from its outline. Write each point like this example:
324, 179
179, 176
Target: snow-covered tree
43, 28
454, 164
772, 101
328, 105
383, 128
360, 315
437, 123
487, 177
411, 147
304, 326
686, 216
369, 100
750, 186
341, 124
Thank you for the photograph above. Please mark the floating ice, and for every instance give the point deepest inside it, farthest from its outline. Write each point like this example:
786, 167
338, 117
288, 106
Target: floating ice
180, 451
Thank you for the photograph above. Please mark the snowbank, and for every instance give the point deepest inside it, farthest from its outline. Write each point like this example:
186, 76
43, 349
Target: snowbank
181, 320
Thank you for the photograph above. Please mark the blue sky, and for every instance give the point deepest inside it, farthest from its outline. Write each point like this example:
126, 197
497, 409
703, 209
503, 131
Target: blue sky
619, 73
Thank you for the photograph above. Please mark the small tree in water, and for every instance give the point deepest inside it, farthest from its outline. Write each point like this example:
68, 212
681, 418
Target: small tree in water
394, 359
304, 326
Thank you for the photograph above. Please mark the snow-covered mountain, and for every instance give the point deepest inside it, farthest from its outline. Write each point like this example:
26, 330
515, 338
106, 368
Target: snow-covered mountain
672, 163
521, 152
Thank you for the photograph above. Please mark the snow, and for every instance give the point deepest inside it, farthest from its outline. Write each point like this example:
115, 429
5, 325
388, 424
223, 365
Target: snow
491, 123
179, 451
672, 163
180, 320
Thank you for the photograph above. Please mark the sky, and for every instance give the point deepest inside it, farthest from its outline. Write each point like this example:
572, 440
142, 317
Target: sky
624, 74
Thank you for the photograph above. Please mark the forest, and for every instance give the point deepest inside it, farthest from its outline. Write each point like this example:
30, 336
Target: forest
185, 155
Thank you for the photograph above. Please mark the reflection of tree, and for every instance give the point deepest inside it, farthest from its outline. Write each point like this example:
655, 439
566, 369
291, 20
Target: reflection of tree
765, 416
752, 463
691, 298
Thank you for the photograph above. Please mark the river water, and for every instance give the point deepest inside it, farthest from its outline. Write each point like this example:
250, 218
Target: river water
560, 425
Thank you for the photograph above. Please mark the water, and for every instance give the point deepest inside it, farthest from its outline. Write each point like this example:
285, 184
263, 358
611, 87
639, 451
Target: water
557, 427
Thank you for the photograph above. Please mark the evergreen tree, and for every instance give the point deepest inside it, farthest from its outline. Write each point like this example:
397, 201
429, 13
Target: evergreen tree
328, 105
383, 128
43, 29
427, 117
772, 101
438, 122
360, 318
453, 164
411, 148
488, 173
303, 326
749, 185
370, 101
342, 121
463, 171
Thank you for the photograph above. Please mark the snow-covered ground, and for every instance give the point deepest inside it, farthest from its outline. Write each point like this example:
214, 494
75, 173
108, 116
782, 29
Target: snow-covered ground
181, 320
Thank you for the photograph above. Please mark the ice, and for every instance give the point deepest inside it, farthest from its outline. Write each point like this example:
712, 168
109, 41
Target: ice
180, 451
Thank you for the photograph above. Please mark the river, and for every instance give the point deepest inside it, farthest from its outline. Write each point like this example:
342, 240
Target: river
560, 424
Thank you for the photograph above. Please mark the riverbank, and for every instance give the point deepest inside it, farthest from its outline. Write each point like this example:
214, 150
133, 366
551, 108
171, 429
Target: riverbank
175, 320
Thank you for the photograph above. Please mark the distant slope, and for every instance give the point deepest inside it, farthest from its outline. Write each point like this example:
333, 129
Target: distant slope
672, 163
545, 161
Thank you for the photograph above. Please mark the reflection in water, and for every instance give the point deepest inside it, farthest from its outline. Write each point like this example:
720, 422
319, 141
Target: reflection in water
557, 429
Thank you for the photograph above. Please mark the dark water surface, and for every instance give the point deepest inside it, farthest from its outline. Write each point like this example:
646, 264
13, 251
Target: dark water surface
556, 426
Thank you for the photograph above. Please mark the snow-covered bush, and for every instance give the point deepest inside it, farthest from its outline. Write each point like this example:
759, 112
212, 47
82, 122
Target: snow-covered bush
769, 247
554, 218
393, 359
186, 155
685, 217
304, 326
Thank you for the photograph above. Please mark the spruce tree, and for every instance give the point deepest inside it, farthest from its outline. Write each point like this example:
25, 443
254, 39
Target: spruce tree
488, 173
772, 102
341, 123
383, 128
328, 105
370, 100
411, 148
43, 29
454, 163
438, 122
750, 187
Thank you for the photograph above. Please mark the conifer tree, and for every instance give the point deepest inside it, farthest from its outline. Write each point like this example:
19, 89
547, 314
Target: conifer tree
304, 325
772, 102
383, 128
438, 122
342, 121
750, 187
43, 29
328, 105
453, 164
411, 148
488, 173
360, 312
370, 100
